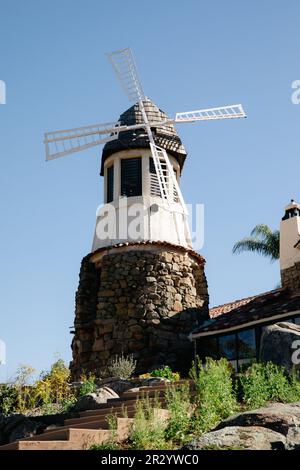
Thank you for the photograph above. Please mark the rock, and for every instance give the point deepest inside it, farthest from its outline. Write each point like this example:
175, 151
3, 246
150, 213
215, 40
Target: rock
239, 438
152, 381
283, 418
134, 389
92, 401
25, 429
19, 426
10, 422
276, 344
119, 386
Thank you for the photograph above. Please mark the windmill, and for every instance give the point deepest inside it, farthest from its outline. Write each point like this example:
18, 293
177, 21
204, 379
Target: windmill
166, 187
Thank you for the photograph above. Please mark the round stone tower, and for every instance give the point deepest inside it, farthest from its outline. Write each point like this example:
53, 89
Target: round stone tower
142, 289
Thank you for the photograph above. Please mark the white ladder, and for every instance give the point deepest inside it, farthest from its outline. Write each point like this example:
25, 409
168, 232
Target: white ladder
167, 183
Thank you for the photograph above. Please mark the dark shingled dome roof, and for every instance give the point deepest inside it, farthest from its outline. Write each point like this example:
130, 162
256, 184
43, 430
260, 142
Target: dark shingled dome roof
164, 136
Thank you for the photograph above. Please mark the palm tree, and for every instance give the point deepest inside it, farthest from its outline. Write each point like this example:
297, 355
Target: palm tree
262, 240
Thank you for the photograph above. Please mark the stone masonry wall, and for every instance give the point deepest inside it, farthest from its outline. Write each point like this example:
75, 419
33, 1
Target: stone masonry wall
290, 277
143, 303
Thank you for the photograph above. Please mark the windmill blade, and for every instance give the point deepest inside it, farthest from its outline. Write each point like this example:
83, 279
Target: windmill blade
124, 66
224, 112
61, 143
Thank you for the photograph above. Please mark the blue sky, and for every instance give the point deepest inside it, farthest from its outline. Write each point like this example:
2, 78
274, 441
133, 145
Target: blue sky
190, 55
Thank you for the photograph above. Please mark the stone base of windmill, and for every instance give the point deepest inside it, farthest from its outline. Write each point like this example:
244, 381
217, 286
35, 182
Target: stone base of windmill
141, 300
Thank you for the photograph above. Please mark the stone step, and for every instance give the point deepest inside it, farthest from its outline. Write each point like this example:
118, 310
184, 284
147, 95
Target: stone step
120, 413
119, 406
161, 386
97, 423
137, 396
39, 445
70, 438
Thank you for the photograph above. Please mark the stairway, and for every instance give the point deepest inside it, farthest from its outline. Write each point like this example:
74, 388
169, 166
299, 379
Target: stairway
91, 427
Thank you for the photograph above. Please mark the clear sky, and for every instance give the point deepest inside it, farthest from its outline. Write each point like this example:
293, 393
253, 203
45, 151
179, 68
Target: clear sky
190, 54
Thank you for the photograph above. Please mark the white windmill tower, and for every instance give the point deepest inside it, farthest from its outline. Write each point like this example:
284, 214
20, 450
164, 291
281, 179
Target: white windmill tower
149, 173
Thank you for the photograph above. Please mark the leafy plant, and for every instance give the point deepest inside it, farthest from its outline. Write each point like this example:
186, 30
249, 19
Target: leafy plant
261, 383
88, 385
105, 446
122, 367
215, 398
166, 373
9, 399
148, 430
179, 404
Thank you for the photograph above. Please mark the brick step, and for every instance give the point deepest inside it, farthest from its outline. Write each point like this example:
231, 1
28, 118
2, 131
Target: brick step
119, 406
159, 386
70, 438
73, 439
137, 395
77, 438
103, 414
97, 423
40, 445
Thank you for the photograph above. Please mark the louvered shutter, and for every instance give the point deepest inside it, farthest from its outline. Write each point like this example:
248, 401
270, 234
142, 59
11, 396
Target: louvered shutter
131, 177
110, 184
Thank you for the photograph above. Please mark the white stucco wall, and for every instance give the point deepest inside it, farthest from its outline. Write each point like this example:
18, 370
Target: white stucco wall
160, 223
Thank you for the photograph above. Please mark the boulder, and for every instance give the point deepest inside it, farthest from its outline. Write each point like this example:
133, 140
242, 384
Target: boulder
277, 344
152, 381
18, 426
283, 418
239, 438
92, 401
119, 386
25, 429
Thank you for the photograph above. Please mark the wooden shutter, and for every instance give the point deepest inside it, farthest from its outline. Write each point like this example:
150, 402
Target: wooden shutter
131, 177
110, 184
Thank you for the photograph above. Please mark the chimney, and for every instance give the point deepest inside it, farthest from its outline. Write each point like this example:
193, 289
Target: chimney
290, 247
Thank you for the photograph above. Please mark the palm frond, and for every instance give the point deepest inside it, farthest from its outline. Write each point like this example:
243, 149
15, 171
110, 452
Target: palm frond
261, 230
262, 240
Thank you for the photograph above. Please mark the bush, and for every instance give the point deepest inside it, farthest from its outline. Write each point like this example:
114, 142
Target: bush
51, 392
9, 399
88, 385
148, 431
53, 387
215, 398
179, 404
261, 383
122, 367
105, 446
166, 373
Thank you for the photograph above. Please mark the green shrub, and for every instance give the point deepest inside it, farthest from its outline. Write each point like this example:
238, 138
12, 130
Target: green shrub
122, 367
216, 397
88, 385
179, 404
105, 446
262, 382
67, 404
9, 399
166, 373
53, 387
148, 431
